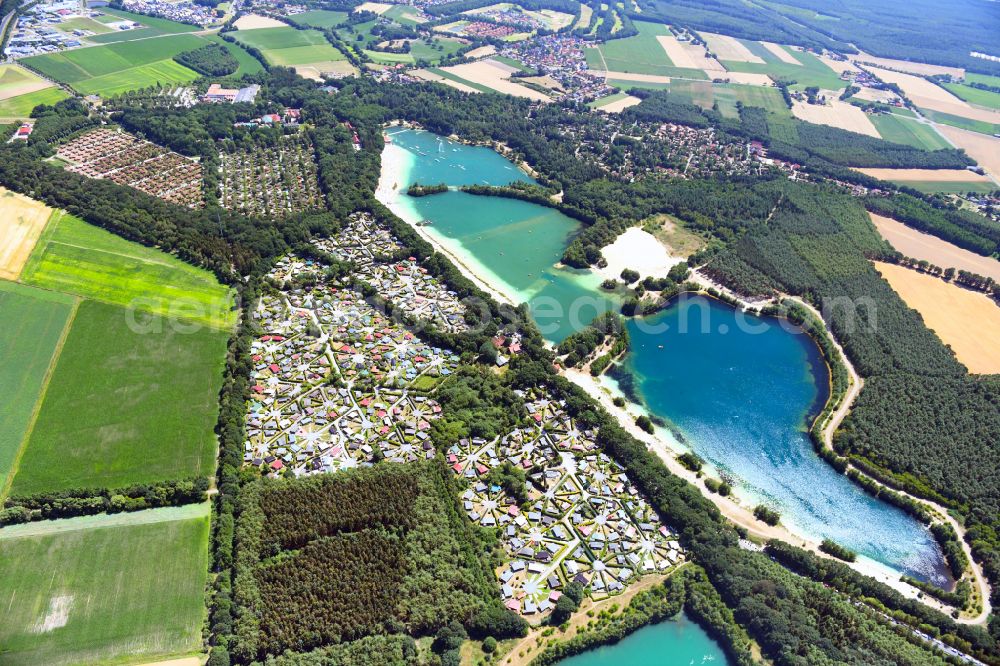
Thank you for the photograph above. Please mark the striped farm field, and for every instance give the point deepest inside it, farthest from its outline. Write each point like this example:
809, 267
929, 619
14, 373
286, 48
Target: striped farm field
908, 132
20, 107
152, 27
105, 589
133, 399
77, 258
289, 47
639, 54
34, 323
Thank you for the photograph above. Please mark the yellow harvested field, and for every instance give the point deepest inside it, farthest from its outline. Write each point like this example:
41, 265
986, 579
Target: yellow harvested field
25, 81
918, 68
678, 55
925, 94
553, 19
748, 78
544, 81
779, 52
586, 11
255, 21
495, 75
642, 78
980, 147
839, 66
933, 175
482, 51
373, 7
836, 114
437, 78
920, 245
967, 321
729, 48
21, 223
620, 105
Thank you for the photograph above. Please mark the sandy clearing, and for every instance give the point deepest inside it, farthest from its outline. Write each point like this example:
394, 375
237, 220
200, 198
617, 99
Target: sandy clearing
642, 78
984, 149
639, 250
920, 245
21, 223
966, 320
619, 105
255, 21
936, 175
373, 7
875, 95
779, 51
836, 113
748, 78
920, 68
729, 48
495, 75
482, 51
839, 66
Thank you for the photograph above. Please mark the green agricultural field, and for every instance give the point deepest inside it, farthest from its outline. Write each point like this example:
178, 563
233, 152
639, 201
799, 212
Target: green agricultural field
248, 64
932, 186
84, 23
458, 79
640, 54
104, 589
604, 101
962, 123
34, 321
21, 106
78, 258
908, 132
419, 50
14, 78
628, 85
152, 27
122, 66
402, 14
320, 18
133, 399
812, 72
289, 47
986, 98
985, 79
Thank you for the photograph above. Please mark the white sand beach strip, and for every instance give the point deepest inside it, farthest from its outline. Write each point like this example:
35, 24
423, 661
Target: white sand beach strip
639, 250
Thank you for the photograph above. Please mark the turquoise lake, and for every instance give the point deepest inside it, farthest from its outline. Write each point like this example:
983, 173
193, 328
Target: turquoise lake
677, 642
739, 389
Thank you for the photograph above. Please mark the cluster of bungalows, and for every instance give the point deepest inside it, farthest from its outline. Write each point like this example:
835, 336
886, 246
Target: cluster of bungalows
584, 521
122, 158
405, 283
271, 181
217, 94
335, 382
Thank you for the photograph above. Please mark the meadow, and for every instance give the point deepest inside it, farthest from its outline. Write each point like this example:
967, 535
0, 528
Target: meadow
21, 106
320, 18
986, 98
639, 54
78, 258
106, 589
908, 132
419, 50
33, 324
289, 47
980, 126
133, 399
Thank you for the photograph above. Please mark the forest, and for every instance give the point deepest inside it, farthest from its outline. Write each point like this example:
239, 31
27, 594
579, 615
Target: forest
332, 558
209, 60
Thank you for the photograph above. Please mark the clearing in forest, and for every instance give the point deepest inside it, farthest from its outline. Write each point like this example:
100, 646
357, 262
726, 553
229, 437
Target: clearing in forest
21, 223
88, 590
966, 320
133, 399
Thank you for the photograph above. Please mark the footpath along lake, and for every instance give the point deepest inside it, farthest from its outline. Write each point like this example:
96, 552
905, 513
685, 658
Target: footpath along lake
739, 392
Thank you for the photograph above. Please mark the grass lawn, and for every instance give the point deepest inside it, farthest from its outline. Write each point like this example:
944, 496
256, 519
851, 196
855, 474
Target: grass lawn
105, 589
908, 132
21, 106
320, 18
639, 54
133, 399
152, 27
812, 71
34, 323
989, 99
78, 258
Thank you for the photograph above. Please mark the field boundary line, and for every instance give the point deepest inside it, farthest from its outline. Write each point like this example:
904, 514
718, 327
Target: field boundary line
166, 514
117, 254
56, 353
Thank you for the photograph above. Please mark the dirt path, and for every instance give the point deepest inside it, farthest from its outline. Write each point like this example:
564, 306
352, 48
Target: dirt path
145, 517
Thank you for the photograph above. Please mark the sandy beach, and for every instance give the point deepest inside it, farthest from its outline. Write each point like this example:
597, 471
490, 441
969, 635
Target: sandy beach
639, 250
